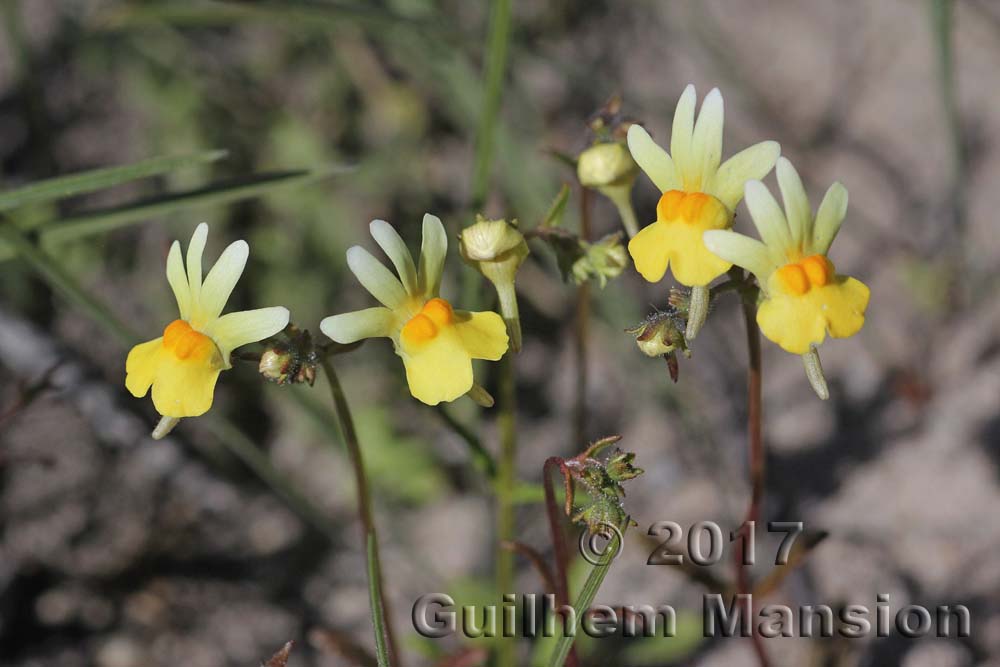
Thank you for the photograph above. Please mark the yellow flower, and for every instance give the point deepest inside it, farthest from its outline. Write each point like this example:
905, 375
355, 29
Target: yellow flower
698, 193
182, 366
804, 297
436, 342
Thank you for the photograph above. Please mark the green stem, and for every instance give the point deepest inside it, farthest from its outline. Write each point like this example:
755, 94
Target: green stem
383, 630
493, 75
481, 457
621, 197
505, 496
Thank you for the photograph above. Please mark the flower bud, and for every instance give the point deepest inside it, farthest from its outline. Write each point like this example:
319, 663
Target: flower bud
608, 164
497, 249
660, 333
292, 361
602, 260
610, 169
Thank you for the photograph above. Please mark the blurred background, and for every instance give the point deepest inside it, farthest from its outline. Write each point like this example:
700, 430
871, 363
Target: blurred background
238, 533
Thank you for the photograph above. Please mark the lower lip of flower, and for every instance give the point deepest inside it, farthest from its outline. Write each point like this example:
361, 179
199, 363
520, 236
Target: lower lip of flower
426, 324
692, 208
186, 343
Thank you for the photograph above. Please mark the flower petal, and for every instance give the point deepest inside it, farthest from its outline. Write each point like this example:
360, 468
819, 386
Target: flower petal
797, 321
691, 262
141, 365
439, 369
247, 326
680, 134
392, 244
220, 282
741, 250
195, 249
798, 212
829, 217
706, 141
433, 249
750, 163
185, 388
375, 278
484, 335
652, 159
649, 251
178, 280
352, 327
769, 220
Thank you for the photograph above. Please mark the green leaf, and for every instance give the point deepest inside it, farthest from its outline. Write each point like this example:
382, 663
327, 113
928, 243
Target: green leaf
588, 593
99, 179
555, 213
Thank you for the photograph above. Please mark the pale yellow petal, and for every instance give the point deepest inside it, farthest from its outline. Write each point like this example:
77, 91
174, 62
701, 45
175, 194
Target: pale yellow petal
484, 335
798, 211
375, 277
652, 159
751, 163
248, 326
741, 250
360, 324
178, 280
194, 252
706, 142
433, 249
439, 369
680, 134
141, 365
769, 220
829, 217
395, 249
844, 304
220, 282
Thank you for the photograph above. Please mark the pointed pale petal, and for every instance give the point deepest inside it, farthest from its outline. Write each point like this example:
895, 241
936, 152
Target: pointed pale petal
220, 281
184, 388
360, 324
375, 278
248, 326
141, 365
741, 250
652, 159
769, 219
438, 370
680, 134
195, 250
650, 251
395, 249
484, 335
178, 280
433, 250
829, 217
706, 142
751, 163
798, 212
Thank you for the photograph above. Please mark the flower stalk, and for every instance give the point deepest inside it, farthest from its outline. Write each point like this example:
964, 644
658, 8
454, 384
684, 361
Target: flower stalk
369, 534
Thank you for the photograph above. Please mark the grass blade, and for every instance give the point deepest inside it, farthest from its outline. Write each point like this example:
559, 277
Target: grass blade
99, 179
588, 593
105, 220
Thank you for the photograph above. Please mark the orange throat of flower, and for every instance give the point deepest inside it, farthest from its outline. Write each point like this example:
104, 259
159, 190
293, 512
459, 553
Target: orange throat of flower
425, 325
184, 343
799, 277
693, 208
